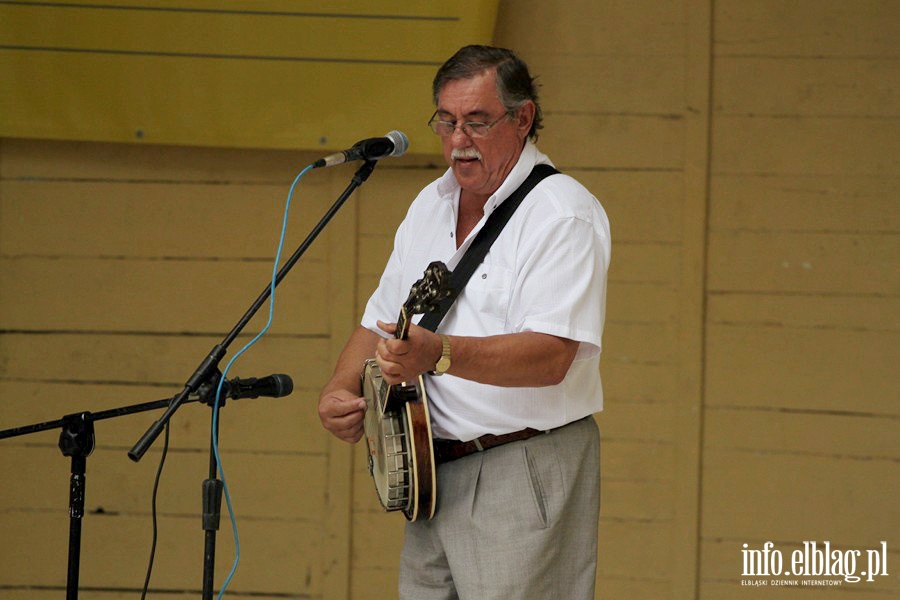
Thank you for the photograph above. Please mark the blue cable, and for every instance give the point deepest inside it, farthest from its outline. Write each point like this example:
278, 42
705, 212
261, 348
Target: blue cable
215, 425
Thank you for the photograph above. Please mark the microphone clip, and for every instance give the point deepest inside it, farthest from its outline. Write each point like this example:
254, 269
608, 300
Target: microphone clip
206, 392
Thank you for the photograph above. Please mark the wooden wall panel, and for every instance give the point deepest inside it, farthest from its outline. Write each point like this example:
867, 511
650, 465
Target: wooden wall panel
272, 74
121, 268
147, 359
790, 86
596, 29
780, 491
790, 146
778, 261
643, 205
119, 545
226, 221
642, 141
824, 202
800, 426
138, 163
119, 487
794, 367
825, 29
118, 294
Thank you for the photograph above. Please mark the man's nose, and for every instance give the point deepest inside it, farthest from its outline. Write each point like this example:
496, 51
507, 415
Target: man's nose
459, 138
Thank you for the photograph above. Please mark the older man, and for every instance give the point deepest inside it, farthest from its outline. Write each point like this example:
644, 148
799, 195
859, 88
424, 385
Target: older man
519, 352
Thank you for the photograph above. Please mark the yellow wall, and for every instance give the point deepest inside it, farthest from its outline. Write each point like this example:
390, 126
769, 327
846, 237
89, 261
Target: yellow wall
800, 437
745, 151
265, 74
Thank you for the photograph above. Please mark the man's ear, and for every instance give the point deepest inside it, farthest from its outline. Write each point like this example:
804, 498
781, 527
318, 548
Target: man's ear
524, 119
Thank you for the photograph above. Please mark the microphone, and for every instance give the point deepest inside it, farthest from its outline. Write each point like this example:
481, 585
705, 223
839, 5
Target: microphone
394, 143
273, 386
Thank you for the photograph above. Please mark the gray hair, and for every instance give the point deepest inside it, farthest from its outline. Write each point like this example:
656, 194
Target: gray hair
515, 85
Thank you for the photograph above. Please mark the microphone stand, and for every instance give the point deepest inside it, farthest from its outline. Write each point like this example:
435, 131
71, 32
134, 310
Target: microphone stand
76, 440
207, 372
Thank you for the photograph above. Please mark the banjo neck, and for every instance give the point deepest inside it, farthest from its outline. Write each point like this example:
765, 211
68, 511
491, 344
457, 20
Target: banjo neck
401, 333
403, 323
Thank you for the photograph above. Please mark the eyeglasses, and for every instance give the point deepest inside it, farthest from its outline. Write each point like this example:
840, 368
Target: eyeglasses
473, 129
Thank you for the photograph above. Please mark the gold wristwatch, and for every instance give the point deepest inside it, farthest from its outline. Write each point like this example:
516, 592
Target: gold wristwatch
443, 363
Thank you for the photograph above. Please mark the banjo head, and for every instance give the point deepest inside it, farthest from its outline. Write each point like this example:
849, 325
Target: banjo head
388, 454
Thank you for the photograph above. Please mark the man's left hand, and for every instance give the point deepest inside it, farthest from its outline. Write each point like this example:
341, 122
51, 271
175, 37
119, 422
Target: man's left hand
404, 360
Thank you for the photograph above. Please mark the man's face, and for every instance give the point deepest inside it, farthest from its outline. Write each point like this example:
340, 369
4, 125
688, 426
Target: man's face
481, 164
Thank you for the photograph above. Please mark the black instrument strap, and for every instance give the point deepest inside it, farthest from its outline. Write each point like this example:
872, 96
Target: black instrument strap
482, 242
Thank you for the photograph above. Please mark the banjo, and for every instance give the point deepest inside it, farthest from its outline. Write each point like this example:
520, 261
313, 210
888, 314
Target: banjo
397, 423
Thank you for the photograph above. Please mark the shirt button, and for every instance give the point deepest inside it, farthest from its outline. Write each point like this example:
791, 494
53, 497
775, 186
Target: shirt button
484, 275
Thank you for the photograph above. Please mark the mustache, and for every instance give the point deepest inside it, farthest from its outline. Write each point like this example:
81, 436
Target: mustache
465, 153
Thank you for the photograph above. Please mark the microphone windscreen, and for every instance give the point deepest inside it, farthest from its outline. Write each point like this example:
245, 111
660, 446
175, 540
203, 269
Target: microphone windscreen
284, 385
400, 141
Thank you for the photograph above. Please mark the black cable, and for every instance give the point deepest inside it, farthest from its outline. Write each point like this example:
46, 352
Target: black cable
162, 461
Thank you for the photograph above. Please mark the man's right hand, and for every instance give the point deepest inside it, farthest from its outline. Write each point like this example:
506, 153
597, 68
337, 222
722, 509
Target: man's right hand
342, 413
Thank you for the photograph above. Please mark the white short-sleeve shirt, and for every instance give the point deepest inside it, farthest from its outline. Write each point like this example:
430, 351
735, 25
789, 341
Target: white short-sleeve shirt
546, 273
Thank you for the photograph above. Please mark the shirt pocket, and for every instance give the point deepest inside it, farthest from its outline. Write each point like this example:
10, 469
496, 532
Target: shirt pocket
488, 292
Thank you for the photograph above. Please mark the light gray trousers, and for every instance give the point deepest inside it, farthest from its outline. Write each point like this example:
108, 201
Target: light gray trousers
516, 522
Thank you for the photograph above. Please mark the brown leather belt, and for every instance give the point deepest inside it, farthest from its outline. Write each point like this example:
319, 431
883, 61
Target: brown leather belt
447, 450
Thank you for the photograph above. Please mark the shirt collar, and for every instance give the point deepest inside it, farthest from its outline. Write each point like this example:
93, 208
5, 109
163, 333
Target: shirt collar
448, 187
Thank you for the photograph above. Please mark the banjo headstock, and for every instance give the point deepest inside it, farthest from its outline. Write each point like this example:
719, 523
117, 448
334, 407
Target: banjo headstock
425, 295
